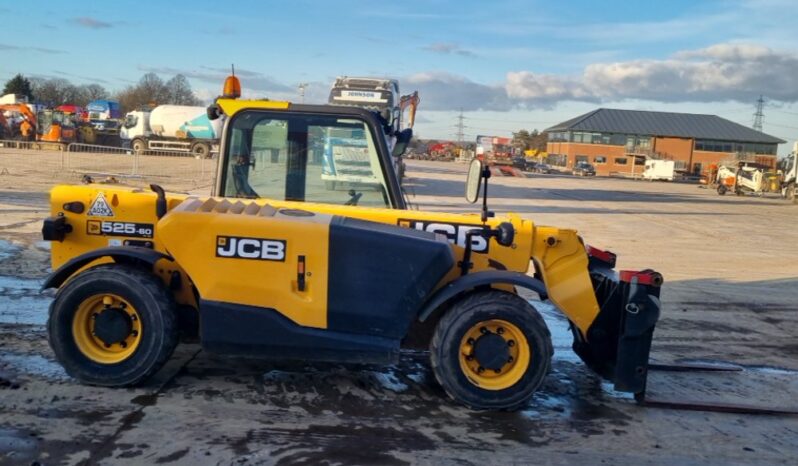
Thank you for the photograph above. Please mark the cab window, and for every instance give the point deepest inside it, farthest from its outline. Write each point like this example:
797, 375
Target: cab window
309, 158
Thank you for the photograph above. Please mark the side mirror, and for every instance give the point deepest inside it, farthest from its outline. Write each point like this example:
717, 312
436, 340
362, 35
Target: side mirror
213, 111
474, 181
402, 140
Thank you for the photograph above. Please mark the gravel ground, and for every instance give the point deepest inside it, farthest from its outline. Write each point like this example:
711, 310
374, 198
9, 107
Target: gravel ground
731, 295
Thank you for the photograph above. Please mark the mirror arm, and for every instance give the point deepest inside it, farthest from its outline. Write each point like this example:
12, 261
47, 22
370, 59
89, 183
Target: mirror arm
466, 265
486, 214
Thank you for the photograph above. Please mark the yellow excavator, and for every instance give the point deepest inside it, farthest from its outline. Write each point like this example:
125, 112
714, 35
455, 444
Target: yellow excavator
274, 264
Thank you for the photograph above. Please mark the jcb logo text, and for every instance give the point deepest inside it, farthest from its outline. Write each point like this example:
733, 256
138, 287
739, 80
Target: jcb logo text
250, 248
456, 233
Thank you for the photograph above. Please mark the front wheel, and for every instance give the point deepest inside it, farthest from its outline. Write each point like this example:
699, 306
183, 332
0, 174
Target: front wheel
113, 325
491, 350
138, 146
721, 189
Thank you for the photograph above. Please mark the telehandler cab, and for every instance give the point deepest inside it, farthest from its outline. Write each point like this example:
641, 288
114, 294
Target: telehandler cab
275, 264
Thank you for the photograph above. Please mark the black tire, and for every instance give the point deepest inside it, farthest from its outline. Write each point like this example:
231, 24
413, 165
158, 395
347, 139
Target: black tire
721, 189
151, 301
469, 312
138, 146
789, 194
201, 150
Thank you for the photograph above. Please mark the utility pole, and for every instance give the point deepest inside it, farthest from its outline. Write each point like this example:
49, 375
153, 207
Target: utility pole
460, 135
301, 88
759, 114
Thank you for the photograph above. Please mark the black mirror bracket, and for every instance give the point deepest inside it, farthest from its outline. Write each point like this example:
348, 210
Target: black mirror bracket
486, 214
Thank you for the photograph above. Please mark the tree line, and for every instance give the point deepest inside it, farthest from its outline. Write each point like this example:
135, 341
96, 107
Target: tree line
526, 140
150, 90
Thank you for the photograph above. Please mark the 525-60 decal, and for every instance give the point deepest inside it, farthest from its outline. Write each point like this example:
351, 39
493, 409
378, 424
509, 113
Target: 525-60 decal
128, 229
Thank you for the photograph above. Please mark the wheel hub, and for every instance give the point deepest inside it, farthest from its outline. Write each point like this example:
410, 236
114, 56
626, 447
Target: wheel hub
491, 351
112, 325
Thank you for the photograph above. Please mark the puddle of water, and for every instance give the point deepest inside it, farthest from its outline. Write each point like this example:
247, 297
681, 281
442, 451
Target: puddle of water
16, 442
388, 380
8, 249
21, 302
544, 405
33, 364
561, 336
771, 370
43, 245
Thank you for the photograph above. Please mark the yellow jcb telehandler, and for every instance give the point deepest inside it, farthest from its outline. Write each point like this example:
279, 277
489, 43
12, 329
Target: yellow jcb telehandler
274, 264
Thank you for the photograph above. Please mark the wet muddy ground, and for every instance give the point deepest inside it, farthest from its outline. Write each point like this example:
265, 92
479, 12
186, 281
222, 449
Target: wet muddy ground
731, 295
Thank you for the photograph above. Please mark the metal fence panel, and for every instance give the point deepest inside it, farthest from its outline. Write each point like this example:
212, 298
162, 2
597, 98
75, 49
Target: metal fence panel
36, 165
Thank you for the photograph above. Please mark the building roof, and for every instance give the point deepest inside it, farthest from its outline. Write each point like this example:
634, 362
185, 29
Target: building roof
684, 125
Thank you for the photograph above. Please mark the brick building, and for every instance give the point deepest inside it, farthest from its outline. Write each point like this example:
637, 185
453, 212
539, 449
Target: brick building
619, 141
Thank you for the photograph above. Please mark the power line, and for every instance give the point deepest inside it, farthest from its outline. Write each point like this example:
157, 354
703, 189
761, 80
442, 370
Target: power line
783, 126
759, 115
783, 111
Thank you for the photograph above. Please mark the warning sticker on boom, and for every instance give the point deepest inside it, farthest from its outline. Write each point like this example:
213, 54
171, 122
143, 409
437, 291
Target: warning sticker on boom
100, 207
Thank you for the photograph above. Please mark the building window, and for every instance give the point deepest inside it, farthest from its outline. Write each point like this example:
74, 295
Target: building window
599, 160
557, 160
617, 139
581, 158
735, 147
621, 161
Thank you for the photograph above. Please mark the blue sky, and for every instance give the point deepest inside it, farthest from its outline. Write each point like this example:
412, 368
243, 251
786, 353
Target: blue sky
508, 64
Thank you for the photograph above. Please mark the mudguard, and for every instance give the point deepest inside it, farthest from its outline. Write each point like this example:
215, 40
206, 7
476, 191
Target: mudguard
474, 280
120, 254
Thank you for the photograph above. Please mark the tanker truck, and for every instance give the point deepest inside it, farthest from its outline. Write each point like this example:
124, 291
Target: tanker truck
174, 128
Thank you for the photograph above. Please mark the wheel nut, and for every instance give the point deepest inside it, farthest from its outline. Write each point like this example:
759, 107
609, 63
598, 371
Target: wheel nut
483, 330
107, 345
481, 369
123, 344
133, 317
122, 305
511, 343
94, 315
469, 358
135, 333
500, 330
510, 359
498, 371
470, 341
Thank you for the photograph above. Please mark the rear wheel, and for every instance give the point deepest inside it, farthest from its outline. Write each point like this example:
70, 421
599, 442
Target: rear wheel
789, 193
113, 325
721, 189
491, 350
201, 150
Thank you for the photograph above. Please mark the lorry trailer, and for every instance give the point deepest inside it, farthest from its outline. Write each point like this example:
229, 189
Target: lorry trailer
176, 128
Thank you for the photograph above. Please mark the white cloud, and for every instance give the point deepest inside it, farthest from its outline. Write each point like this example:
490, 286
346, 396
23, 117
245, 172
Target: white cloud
444, 91
447, 48
722, 72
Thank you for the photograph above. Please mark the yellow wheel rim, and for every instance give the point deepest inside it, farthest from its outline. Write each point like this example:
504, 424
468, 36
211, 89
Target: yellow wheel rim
513, 368
91, 345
